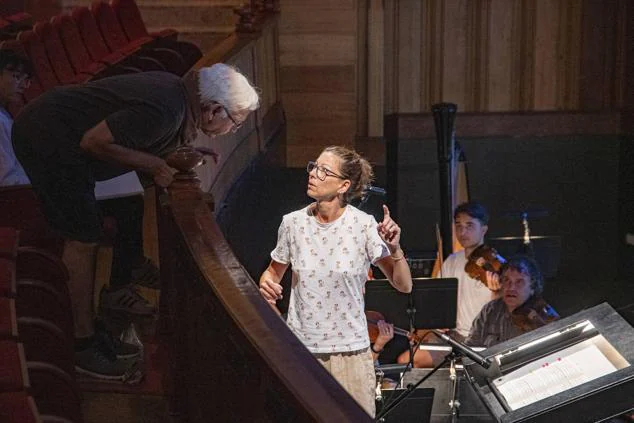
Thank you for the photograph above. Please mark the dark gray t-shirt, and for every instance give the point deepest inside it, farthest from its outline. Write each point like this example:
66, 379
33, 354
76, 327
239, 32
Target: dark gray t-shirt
145, 111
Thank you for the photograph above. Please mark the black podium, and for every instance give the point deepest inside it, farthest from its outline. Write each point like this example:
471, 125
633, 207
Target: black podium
578, 369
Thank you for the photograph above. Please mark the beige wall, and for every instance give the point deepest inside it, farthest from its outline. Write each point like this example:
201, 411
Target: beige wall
344, 64
318, 58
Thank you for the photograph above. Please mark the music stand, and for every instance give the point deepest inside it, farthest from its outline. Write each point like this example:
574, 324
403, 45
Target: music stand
432, 303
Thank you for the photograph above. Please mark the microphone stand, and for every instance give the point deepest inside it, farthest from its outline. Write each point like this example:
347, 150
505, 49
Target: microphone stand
410, 388
458, 349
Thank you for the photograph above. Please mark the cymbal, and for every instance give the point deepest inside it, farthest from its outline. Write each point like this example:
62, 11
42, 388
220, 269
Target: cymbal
530, 213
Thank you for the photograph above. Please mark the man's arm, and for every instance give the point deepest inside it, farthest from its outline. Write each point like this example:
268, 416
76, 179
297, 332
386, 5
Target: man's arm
100, 143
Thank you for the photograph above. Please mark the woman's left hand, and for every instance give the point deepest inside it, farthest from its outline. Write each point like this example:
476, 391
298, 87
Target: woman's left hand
389, 231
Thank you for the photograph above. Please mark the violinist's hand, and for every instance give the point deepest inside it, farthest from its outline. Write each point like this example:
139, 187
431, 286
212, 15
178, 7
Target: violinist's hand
389, 231
270, 290
386, 333
493, 281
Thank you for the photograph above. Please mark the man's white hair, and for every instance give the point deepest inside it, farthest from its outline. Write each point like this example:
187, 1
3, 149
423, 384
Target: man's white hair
223, 84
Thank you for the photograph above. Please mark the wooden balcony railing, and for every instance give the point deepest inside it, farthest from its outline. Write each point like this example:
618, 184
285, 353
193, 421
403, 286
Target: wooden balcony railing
231, 357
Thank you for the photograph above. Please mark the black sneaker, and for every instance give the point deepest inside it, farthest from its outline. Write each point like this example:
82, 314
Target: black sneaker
94, 362
146, 275
112, 346
125, 300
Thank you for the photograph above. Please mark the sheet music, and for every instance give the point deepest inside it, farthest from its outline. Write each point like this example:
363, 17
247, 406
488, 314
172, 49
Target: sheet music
125, 185
556, 373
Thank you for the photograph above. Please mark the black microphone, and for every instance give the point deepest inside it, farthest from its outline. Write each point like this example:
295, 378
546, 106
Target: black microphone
376, 190
464, 350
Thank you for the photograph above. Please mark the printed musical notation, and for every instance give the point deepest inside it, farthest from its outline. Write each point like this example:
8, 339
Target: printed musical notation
552, 375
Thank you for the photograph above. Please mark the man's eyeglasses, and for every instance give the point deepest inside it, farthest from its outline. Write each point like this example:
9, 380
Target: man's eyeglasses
236, 125
321, 172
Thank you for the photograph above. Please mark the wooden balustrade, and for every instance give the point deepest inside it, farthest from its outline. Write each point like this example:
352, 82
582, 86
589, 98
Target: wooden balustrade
256, 55
230, 356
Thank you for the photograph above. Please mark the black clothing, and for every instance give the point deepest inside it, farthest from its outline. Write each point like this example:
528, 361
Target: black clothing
150, 112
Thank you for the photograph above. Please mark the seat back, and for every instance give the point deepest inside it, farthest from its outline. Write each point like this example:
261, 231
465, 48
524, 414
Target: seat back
130, 19
35, 50
95, 45
45, 342
55, 391
72, 41
18, 407
56, 54
109, 25
40, 300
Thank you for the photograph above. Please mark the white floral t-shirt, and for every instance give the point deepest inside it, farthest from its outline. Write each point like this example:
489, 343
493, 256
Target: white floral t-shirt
330, 263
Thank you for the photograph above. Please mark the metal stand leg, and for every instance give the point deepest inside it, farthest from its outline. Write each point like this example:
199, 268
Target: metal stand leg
454, 402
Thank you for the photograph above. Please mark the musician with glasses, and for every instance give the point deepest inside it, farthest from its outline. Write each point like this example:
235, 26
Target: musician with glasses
330, 245
71, 136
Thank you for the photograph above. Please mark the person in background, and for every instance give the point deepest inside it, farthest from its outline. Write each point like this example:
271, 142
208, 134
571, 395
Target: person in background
71, 136
520, 309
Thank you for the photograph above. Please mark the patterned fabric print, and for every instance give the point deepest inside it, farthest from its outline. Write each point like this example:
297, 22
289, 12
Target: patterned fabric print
330, 265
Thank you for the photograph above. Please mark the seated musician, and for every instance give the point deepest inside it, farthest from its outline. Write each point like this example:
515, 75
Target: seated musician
520, 308
471, 221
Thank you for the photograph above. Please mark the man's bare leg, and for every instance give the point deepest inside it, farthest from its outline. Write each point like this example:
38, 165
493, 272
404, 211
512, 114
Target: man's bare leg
80, 259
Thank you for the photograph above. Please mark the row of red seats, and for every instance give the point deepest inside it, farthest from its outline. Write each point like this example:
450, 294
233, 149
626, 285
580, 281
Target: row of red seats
37, 381
105, 40
11, 25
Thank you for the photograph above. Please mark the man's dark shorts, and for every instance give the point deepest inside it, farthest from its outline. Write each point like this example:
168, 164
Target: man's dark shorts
66, 191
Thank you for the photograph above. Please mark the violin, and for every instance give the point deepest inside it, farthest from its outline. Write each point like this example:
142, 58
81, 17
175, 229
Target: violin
373, 329
533, 314
482, 260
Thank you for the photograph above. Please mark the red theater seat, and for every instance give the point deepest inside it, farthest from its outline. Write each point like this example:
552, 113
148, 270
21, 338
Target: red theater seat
73, 44
116, 40
7, 277
8, 242
8, 319
132, 23
38, 264
55, 391
45, 342
40, 300
13, 373
18, 407
35, 50
60, 63
98, 49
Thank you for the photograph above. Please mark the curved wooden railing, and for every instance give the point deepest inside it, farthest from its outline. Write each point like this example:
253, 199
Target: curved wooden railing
231, 357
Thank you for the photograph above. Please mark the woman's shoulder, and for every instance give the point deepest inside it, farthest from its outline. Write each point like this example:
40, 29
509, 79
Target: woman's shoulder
296, 214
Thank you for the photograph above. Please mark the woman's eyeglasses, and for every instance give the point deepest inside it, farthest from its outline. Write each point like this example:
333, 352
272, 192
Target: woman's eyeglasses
321, 172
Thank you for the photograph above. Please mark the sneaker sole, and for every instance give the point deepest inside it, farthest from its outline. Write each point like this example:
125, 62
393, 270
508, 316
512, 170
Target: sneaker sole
128, 356
100, 375
127, 311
